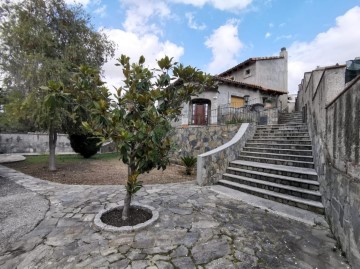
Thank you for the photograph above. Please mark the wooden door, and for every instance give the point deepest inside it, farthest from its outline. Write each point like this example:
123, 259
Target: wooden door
199, 115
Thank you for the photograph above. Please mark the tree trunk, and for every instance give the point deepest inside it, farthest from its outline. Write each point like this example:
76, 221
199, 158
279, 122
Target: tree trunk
52, 146
127, 200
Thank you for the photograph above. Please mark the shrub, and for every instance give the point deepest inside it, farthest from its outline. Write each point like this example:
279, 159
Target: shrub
85, 145
189, 162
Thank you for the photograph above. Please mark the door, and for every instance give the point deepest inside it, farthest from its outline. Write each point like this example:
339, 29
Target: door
237, 102
199, 114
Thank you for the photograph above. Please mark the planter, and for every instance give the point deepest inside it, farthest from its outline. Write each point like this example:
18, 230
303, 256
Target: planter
125, 229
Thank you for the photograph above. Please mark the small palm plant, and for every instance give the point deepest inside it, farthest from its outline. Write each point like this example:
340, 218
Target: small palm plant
189, 162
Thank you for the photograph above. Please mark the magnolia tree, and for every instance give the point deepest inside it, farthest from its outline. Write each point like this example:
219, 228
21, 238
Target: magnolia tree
138, 117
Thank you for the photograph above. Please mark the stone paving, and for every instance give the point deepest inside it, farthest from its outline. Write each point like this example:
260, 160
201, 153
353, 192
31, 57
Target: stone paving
10, 158
197, 228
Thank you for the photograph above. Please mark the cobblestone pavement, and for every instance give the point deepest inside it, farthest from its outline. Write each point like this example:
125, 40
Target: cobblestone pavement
197, 228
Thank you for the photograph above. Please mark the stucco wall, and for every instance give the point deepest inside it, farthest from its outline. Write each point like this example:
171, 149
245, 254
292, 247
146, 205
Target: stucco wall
335, 132
335, 81
241, 76
32, 143
226, 91
272, 74
199, 139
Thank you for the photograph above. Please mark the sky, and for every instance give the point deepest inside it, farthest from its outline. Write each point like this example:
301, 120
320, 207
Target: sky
214, 35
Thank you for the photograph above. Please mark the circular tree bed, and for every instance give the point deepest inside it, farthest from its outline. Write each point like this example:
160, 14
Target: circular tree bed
140, 216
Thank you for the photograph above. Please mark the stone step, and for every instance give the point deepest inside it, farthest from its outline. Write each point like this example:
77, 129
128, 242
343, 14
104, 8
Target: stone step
281, 133
292, 113
284, 180
280, 146
279, 141
281, 130
277, 161
280, 151
290, 116
291, 119
276, 187
287, 136
300, 158
294, 125
282, 121
289, 171
313, 206
272, 137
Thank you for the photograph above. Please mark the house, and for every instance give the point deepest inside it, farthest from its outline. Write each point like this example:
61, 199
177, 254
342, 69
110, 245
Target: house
261, 80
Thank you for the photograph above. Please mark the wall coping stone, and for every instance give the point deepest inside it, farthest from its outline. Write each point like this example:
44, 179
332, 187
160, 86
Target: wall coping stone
203, 171
233, 141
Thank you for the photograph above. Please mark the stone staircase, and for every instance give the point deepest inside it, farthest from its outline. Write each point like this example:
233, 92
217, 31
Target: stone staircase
277, 164
295, 117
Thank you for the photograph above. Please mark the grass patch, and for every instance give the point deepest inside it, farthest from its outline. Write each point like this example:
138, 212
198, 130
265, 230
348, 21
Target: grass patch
71, 158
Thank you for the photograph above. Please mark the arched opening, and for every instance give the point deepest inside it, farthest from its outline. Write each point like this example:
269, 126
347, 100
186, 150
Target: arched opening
200, 111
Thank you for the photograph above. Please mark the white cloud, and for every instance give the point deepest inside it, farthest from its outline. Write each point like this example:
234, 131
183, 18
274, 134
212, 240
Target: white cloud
225, 46
101, 11
134, 46
192, 23
284, 37
82, 2
337, 45
228, 5
139, 14
267, 35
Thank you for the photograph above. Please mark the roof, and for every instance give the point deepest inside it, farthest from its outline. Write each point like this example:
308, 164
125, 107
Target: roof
247, 62
246, 85
329, 67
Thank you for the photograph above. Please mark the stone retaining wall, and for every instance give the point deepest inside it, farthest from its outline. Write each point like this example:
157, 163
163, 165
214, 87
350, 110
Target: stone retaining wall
32, 143
194, 140
211, 165
334, 126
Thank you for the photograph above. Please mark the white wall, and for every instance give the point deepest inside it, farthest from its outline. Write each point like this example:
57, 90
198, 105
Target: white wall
32, 143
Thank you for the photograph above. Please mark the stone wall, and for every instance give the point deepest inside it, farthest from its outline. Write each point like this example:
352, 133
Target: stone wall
212, 164
334, 125
32, 143
195, 140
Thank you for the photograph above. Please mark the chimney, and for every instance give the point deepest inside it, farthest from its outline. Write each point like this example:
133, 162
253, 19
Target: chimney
283, 53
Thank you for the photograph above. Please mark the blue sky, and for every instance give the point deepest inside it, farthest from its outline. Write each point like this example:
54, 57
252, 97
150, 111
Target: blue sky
214, 35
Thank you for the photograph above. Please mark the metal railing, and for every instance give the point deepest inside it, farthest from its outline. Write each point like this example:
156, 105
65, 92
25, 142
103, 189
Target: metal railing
231, 115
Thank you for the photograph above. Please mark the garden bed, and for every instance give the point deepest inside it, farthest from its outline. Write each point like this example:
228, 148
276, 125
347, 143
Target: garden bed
101, 169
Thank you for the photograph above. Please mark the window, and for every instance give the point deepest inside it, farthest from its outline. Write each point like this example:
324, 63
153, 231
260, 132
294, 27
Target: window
237, 102
247, 72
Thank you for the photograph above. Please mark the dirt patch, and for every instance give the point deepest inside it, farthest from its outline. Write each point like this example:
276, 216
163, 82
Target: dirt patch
136, 216
100, 172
